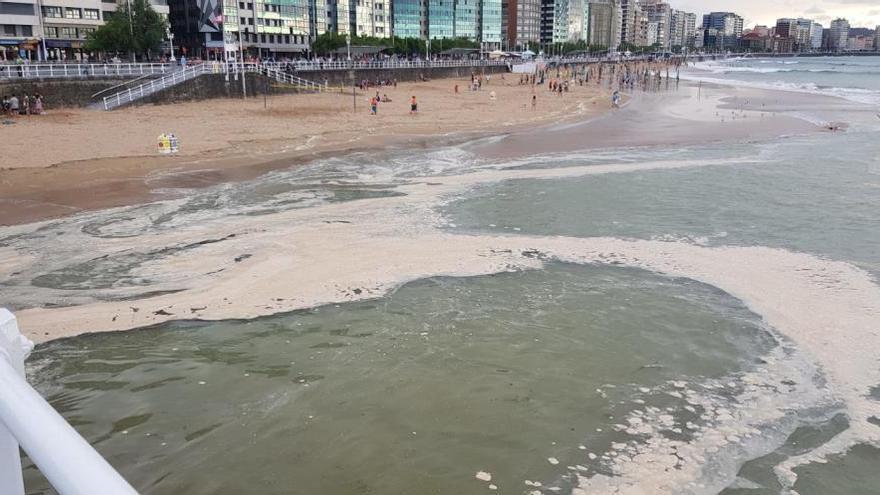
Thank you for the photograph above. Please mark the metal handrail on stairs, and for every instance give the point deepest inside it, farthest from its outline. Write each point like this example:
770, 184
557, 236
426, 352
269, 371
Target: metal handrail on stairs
288, 78
148, 88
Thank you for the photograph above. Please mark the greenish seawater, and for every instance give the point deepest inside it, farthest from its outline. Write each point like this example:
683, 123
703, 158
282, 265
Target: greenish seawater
411, 393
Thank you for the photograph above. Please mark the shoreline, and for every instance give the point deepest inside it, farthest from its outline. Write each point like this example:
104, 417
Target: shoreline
325, 127
230, 266
47, 323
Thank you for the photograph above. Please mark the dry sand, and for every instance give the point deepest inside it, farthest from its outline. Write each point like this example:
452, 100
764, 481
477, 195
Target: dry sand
74, 160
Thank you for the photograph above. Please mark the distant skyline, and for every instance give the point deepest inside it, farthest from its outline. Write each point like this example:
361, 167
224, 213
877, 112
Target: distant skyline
860, 13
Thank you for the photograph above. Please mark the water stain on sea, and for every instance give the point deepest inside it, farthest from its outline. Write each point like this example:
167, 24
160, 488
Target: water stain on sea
413, 392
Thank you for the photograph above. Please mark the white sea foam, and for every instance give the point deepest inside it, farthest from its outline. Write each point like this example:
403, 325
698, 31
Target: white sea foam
858, 95
829, 310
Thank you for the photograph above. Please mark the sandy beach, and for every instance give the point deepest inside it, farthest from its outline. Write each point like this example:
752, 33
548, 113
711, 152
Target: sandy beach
261, 278
74, 160
580, 120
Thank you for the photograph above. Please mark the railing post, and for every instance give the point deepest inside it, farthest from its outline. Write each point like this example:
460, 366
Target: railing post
61, 454
14, 348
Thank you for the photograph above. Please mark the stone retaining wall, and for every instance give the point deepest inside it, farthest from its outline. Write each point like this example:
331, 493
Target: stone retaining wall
78, 93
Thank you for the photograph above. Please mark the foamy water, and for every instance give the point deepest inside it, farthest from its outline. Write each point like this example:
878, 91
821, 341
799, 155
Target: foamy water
357, 228
853, 78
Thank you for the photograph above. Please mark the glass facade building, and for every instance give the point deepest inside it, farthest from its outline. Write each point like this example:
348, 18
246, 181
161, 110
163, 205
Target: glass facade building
409, 18
441, 19
466, 15
490, 21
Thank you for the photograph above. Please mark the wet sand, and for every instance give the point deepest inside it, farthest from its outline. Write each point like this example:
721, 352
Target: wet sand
209, 278
70, 161
687, 116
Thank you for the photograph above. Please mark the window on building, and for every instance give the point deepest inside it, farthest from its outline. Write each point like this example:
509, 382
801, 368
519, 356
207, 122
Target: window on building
251, 21
241, 20
106, 14
262, 38
91, 14
250, 6
27, 31
84, 32
51, 32
287, 39
68, 32
52, 12
72, 13
9, 29
241, 5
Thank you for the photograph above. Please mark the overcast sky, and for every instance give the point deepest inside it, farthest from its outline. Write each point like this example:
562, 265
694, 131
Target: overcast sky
860, 13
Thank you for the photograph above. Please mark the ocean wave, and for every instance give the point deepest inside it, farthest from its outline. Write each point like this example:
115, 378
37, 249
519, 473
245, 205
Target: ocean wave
858, 95
727, 68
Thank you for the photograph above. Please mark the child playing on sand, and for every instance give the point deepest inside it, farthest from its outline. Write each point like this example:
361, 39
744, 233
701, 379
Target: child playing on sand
413, 106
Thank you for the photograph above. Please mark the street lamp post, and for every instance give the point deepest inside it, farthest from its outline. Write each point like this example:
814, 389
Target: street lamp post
241, 56
171, 43
351, 73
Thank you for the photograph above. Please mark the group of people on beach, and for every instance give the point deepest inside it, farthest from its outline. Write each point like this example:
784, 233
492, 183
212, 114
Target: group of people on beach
375, 100
23, 105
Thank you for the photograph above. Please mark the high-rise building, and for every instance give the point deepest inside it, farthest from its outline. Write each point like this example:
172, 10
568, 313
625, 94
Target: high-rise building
682, 29
839, 35
660, 20
467, 13
279, 28
410, 18
521, 22
565, 21
341, 16
441, 19
630, 11
727, 23
786, 28
490, 24
816, 36
602, 27
548, 12
478, 20
721, 30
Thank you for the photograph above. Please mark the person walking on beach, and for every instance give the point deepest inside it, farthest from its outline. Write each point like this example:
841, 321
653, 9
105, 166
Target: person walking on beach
374, 106
534, 102
413, 106
13, 105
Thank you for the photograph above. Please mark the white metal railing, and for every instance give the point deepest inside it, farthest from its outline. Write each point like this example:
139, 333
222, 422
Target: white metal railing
78, 71
70, 464
288, 78
74, 71
137, 92
307, 65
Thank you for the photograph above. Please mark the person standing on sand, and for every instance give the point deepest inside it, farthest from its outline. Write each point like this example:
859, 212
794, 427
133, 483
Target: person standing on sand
534, 102
13, 105
413, 106
38, 104
374, 106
